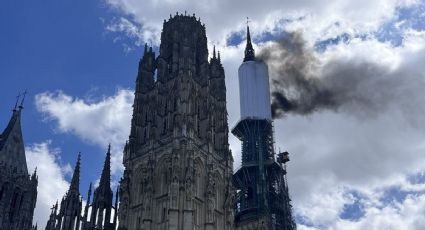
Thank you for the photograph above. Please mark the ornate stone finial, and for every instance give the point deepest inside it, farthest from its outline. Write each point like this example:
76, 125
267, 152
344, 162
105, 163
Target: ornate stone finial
214, 52
218, 56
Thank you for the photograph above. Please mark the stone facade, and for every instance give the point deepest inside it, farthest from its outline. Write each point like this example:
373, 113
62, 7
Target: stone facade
18, 190
70, 214
178, 166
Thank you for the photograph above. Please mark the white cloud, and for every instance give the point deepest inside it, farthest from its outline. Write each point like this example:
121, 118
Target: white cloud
97, 122
321, 19
51, 182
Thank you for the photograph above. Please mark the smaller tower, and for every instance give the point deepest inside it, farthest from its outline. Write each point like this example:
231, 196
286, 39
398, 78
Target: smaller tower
262, 199
69, 215
18, 189
101, 206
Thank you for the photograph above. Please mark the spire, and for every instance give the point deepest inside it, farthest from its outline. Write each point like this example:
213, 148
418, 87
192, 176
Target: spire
75, 182
218, 56
105, 178
249, 51
15, 159
214, 52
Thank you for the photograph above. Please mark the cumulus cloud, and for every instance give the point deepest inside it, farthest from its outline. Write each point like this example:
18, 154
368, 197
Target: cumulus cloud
322, 19
97, 122
51, 173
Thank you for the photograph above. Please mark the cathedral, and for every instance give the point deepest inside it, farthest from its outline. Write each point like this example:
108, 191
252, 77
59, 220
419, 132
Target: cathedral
178, 167
18, 189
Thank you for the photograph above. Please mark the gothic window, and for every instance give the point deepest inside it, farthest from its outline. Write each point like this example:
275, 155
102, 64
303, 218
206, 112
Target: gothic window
219, 192
199, 180
162, 180
198, 213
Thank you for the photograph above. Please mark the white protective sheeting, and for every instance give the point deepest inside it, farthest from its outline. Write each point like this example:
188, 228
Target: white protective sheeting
254, 90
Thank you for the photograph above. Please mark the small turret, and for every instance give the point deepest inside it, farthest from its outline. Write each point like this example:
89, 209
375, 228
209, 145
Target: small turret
147, 67
86, 209
116, 207
102, 199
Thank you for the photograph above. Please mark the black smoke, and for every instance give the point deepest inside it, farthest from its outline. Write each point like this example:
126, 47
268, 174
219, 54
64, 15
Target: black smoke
302, 84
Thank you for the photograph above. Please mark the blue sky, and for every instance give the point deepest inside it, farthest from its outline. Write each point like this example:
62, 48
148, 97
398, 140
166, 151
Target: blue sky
60, 45
78, 62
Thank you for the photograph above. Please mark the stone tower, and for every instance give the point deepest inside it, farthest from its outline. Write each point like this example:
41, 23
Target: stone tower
262, 197
178, 166
101, 206
18, 190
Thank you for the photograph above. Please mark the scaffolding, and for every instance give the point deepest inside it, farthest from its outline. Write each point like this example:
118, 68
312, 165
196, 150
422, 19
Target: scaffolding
260, 182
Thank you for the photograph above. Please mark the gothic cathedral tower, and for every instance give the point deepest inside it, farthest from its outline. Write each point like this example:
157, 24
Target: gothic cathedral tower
178, 166
18, 189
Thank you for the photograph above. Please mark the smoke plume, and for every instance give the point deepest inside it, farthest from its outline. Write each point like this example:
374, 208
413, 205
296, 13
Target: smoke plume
301, 84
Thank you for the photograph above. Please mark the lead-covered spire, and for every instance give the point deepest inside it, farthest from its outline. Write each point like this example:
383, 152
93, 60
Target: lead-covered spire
249, 51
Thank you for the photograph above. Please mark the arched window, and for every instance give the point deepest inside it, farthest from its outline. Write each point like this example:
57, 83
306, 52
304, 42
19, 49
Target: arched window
3, 190
199, 179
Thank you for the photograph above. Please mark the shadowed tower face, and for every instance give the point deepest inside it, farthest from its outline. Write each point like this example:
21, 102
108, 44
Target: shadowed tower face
178, 165
18, 190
